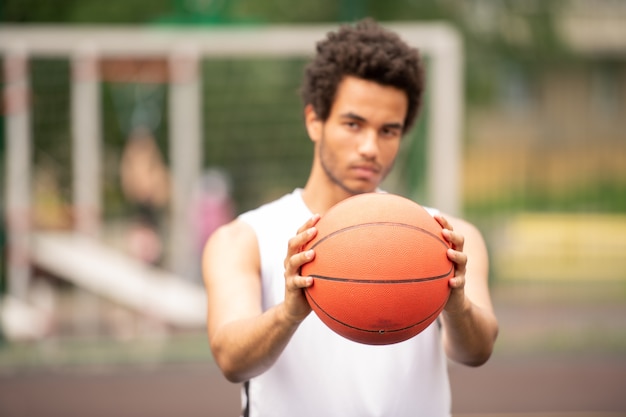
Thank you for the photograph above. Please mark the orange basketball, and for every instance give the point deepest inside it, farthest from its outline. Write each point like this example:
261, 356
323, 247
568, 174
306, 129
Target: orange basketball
380, 269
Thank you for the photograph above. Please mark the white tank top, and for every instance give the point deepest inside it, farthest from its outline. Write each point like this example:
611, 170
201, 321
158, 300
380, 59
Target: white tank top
323, 374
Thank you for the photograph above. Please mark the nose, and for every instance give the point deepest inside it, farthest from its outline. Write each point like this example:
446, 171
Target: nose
368, 145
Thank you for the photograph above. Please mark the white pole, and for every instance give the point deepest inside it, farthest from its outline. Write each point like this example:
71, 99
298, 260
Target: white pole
18, 177
86, 141
185, 145
446, 123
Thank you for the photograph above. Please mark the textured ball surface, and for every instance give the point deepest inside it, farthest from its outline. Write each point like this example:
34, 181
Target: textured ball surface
380, 269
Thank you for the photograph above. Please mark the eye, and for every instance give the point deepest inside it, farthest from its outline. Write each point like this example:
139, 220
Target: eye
352, 125
390, 132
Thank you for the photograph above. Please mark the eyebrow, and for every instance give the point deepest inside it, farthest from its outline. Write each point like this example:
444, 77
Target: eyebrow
353, 116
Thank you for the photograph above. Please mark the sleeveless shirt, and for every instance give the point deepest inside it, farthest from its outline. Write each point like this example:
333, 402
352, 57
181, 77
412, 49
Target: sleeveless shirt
320, 373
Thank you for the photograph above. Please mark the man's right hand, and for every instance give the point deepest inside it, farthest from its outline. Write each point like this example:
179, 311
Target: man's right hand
296, 304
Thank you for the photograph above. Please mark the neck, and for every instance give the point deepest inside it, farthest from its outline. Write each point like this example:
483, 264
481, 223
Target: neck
320, 193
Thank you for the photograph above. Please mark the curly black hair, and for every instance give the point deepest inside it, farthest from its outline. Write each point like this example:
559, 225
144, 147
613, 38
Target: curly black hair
367, 51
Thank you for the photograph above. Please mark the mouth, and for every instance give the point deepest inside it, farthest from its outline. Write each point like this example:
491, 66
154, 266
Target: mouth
365, 172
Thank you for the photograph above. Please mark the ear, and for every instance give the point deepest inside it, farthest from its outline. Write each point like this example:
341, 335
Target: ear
313, 123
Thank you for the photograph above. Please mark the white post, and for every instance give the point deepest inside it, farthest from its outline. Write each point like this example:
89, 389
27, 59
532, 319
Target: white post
86, 141
86, 184
446, 124
185, 147
18, 177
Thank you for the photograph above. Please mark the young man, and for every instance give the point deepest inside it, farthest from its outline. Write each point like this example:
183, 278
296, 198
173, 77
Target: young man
361, 92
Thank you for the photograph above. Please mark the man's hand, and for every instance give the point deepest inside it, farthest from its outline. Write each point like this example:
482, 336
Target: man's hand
469, 323
296, 305
455, 255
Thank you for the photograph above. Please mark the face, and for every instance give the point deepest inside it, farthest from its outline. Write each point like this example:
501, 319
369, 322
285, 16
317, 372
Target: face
357, 145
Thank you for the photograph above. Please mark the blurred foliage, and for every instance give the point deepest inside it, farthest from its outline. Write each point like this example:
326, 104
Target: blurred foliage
82, 11
248, 104
494, 31
497, 34
252, 113
605, 197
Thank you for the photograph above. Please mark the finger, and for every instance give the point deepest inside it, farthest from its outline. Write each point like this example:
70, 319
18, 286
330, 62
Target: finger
294, 263
456, 240
309, 223
443, 222
297, 243
304, 234
457, 282
459, 259
302, 282
292, 270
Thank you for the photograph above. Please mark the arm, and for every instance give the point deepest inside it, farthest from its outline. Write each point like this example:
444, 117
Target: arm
246, 341
469, 322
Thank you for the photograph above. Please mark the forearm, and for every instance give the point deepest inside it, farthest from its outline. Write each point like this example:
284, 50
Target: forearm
469, 334
246, 348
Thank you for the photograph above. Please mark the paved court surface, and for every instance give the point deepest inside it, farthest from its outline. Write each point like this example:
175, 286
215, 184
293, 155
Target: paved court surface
593, 386
554, 359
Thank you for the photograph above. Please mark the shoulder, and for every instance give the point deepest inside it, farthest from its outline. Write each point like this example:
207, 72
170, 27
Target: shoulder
236, 234
233, 244
243, 236
230, 256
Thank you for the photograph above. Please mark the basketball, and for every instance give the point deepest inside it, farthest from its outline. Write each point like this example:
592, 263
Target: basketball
380, 272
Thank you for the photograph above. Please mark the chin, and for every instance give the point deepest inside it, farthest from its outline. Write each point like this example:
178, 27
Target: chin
361, 189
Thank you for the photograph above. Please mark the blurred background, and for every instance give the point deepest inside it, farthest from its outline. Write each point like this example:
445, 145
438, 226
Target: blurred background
102, 305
